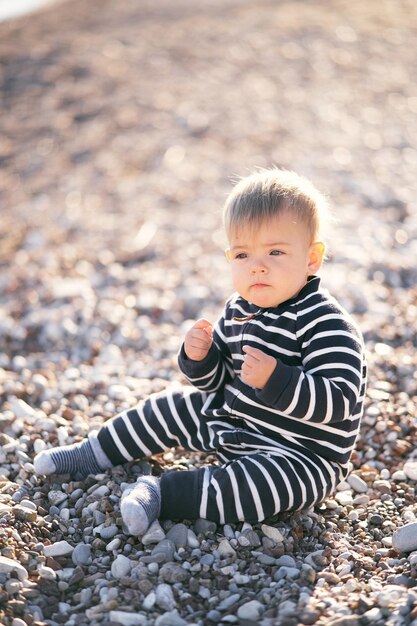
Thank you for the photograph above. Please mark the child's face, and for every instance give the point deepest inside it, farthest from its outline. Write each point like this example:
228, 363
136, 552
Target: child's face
270, 263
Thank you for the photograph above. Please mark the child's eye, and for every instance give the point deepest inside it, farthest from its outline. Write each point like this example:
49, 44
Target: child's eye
276, 253
241, 255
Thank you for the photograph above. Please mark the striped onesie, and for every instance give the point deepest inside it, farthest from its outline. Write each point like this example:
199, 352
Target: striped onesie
280, 448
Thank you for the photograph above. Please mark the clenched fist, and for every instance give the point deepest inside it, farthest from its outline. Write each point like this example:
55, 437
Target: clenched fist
257, 367
198, 340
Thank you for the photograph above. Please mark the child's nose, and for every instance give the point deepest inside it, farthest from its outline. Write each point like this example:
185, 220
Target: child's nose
258, 267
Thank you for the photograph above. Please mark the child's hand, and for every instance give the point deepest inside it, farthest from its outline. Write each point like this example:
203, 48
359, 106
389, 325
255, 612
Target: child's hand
257, 367
198, 340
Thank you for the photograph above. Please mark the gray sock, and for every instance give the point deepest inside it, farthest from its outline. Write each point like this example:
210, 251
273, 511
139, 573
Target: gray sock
84, 458
141, 504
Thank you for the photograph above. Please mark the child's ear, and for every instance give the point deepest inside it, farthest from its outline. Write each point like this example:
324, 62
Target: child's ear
228, 254
315, 256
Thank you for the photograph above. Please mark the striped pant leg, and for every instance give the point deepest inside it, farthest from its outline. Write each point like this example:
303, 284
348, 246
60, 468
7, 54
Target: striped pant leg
165, 420
251, 488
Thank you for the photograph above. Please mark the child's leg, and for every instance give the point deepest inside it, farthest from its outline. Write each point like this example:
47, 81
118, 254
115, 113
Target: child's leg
251, 489
172, 418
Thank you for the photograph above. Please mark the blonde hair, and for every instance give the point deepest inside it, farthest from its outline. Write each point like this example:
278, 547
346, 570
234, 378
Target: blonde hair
271, 192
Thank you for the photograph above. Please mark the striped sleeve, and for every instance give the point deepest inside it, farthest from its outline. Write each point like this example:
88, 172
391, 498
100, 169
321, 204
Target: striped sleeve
327, 387
216, 370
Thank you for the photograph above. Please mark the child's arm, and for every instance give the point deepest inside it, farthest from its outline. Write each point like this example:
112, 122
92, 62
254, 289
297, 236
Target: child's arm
328, 386
204, 358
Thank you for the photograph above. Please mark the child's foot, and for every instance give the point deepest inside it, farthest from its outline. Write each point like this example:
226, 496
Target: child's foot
141, 504
78, 458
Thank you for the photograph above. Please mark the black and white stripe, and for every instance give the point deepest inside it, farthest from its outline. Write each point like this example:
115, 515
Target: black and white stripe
315, 395
283, 447
258, 476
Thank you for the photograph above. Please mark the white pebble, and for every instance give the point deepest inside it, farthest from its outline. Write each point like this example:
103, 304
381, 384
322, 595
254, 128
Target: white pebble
154, 534
149, 601
404, 538
127, 619
410, 469
60, 548
39, 445
250, 611
164, 597
121, 566
9, 565
46, 572
28, 504
357, 483
273, 533
113, 545
344, 498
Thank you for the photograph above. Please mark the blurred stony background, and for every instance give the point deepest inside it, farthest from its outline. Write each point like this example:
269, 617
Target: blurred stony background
122, 128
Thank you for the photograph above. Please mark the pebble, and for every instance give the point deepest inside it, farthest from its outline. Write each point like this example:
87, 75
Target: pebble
357, 483
60, 548
404, 539
128, 619
82, 554
178, 534
9, 565
121, 566
154, 534
251, 611
225, 549
108, 532
164, 597
410, 469
273, 533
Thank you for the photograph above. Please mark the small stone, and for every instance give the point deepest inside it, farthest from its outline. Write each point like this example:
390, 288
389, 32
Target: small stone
287, 609
170, 618
154, 534
344, 498
113, 545
82, 554
391, 594
410, 469
273, 533
225, 549
128, 619
164, 597
192, 540
56, 497
399, 476
357, 483
404, 539
252, 537
46, 572
227, 603
149, 601
214, 616
9, 565
173, 573
178, 534
286, 572
24, 514
204, 526
108, 532
373, 615
60, 548
165, 550
121, 566
251, 611
28, 504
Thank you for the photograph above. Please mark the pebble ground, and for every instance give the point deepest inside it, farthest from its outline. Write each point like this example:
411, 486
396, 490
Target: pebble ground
121, 127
